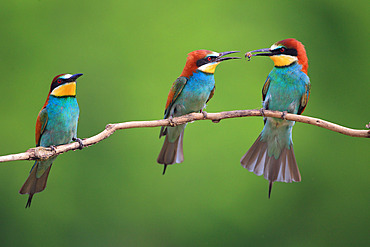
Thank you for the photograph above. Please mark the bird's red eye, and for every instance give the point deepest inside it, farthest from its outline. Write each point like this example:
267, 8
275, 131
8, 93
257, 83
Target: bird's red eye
282, 49
209, 58
59, 80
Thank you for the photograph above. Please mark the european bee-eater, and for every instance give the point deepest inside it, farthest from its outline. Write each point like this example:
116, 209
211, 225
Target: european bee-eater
56, 125
287, 89
189, 93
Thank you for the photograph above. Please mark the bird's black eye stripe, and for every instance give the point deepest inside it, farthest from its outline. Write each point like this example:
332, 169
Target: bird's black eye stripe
54, 84
285, 51
57, 83
205, 60
291, 52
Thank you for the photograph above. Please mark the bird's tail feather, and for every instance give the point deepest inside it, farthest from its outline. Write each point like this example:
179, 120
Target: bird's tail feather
283, 169
171, 152
33, 184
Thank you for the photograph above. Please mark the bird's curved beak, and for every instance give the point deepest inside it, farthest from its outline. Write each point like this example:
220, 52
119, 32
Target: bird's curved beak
221, 54
74, 77
265, 52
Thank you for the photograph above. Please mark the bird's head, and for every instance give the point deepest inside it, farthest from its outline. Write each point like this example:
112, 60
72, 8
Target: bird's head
284, 53
64, 85
205, 61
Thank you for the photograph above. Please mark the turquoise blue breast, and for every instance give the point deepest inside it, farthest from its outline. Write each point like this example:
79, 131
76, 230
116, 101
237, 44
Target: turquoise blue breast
195, 93
287, 85
61, 127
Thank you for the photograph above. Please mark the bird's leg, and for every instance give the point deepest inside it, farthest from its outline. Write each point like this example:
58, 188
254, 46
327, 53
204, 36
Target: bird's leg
283, 115
368, 125
75, 139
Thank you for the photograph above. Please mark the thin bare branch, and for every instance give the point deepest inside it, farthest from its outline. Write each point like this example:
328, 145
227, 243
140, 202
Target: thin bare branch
44, 153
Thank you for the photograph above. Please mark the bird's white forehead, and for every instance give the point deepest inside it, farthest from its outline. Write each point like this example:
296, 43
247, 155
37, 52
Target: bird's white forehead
274, 46
213, 54
66, 76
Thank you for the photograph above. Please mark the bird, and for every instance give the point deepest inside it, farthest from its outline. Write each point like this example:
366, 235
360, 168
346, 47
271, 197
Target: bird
286, 89
189, 93
56, 124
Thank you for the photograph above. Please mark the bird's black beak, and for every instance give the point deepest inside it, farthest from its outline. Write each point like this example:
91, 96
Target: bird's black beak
221, 58
74, 77
264, 52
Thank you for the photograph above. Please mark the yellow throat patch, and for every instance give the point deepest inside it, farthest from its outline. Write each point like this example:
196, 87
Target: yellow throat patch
68, 89
208, 68
283, 60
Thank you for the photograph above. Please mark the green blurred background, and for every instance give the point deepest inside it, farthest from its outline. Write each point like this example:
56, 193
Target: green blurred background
113, 193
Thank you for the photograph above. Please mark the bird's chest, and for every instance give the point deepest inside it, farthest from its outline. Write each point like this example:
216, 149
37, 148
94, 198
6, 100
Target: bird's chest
62, 121
285, 91
195, 93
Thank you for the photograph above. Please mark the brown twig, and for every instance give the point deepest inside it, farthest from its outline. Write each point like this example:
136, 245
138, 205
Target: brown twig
44, 153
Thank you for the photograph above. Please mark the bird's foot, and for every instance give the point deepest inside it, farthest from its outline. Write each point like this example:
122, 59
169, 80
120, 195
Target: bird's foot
262, 112
283, 115
172, 123
52, 147
204, 114
368, 125
79, 141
